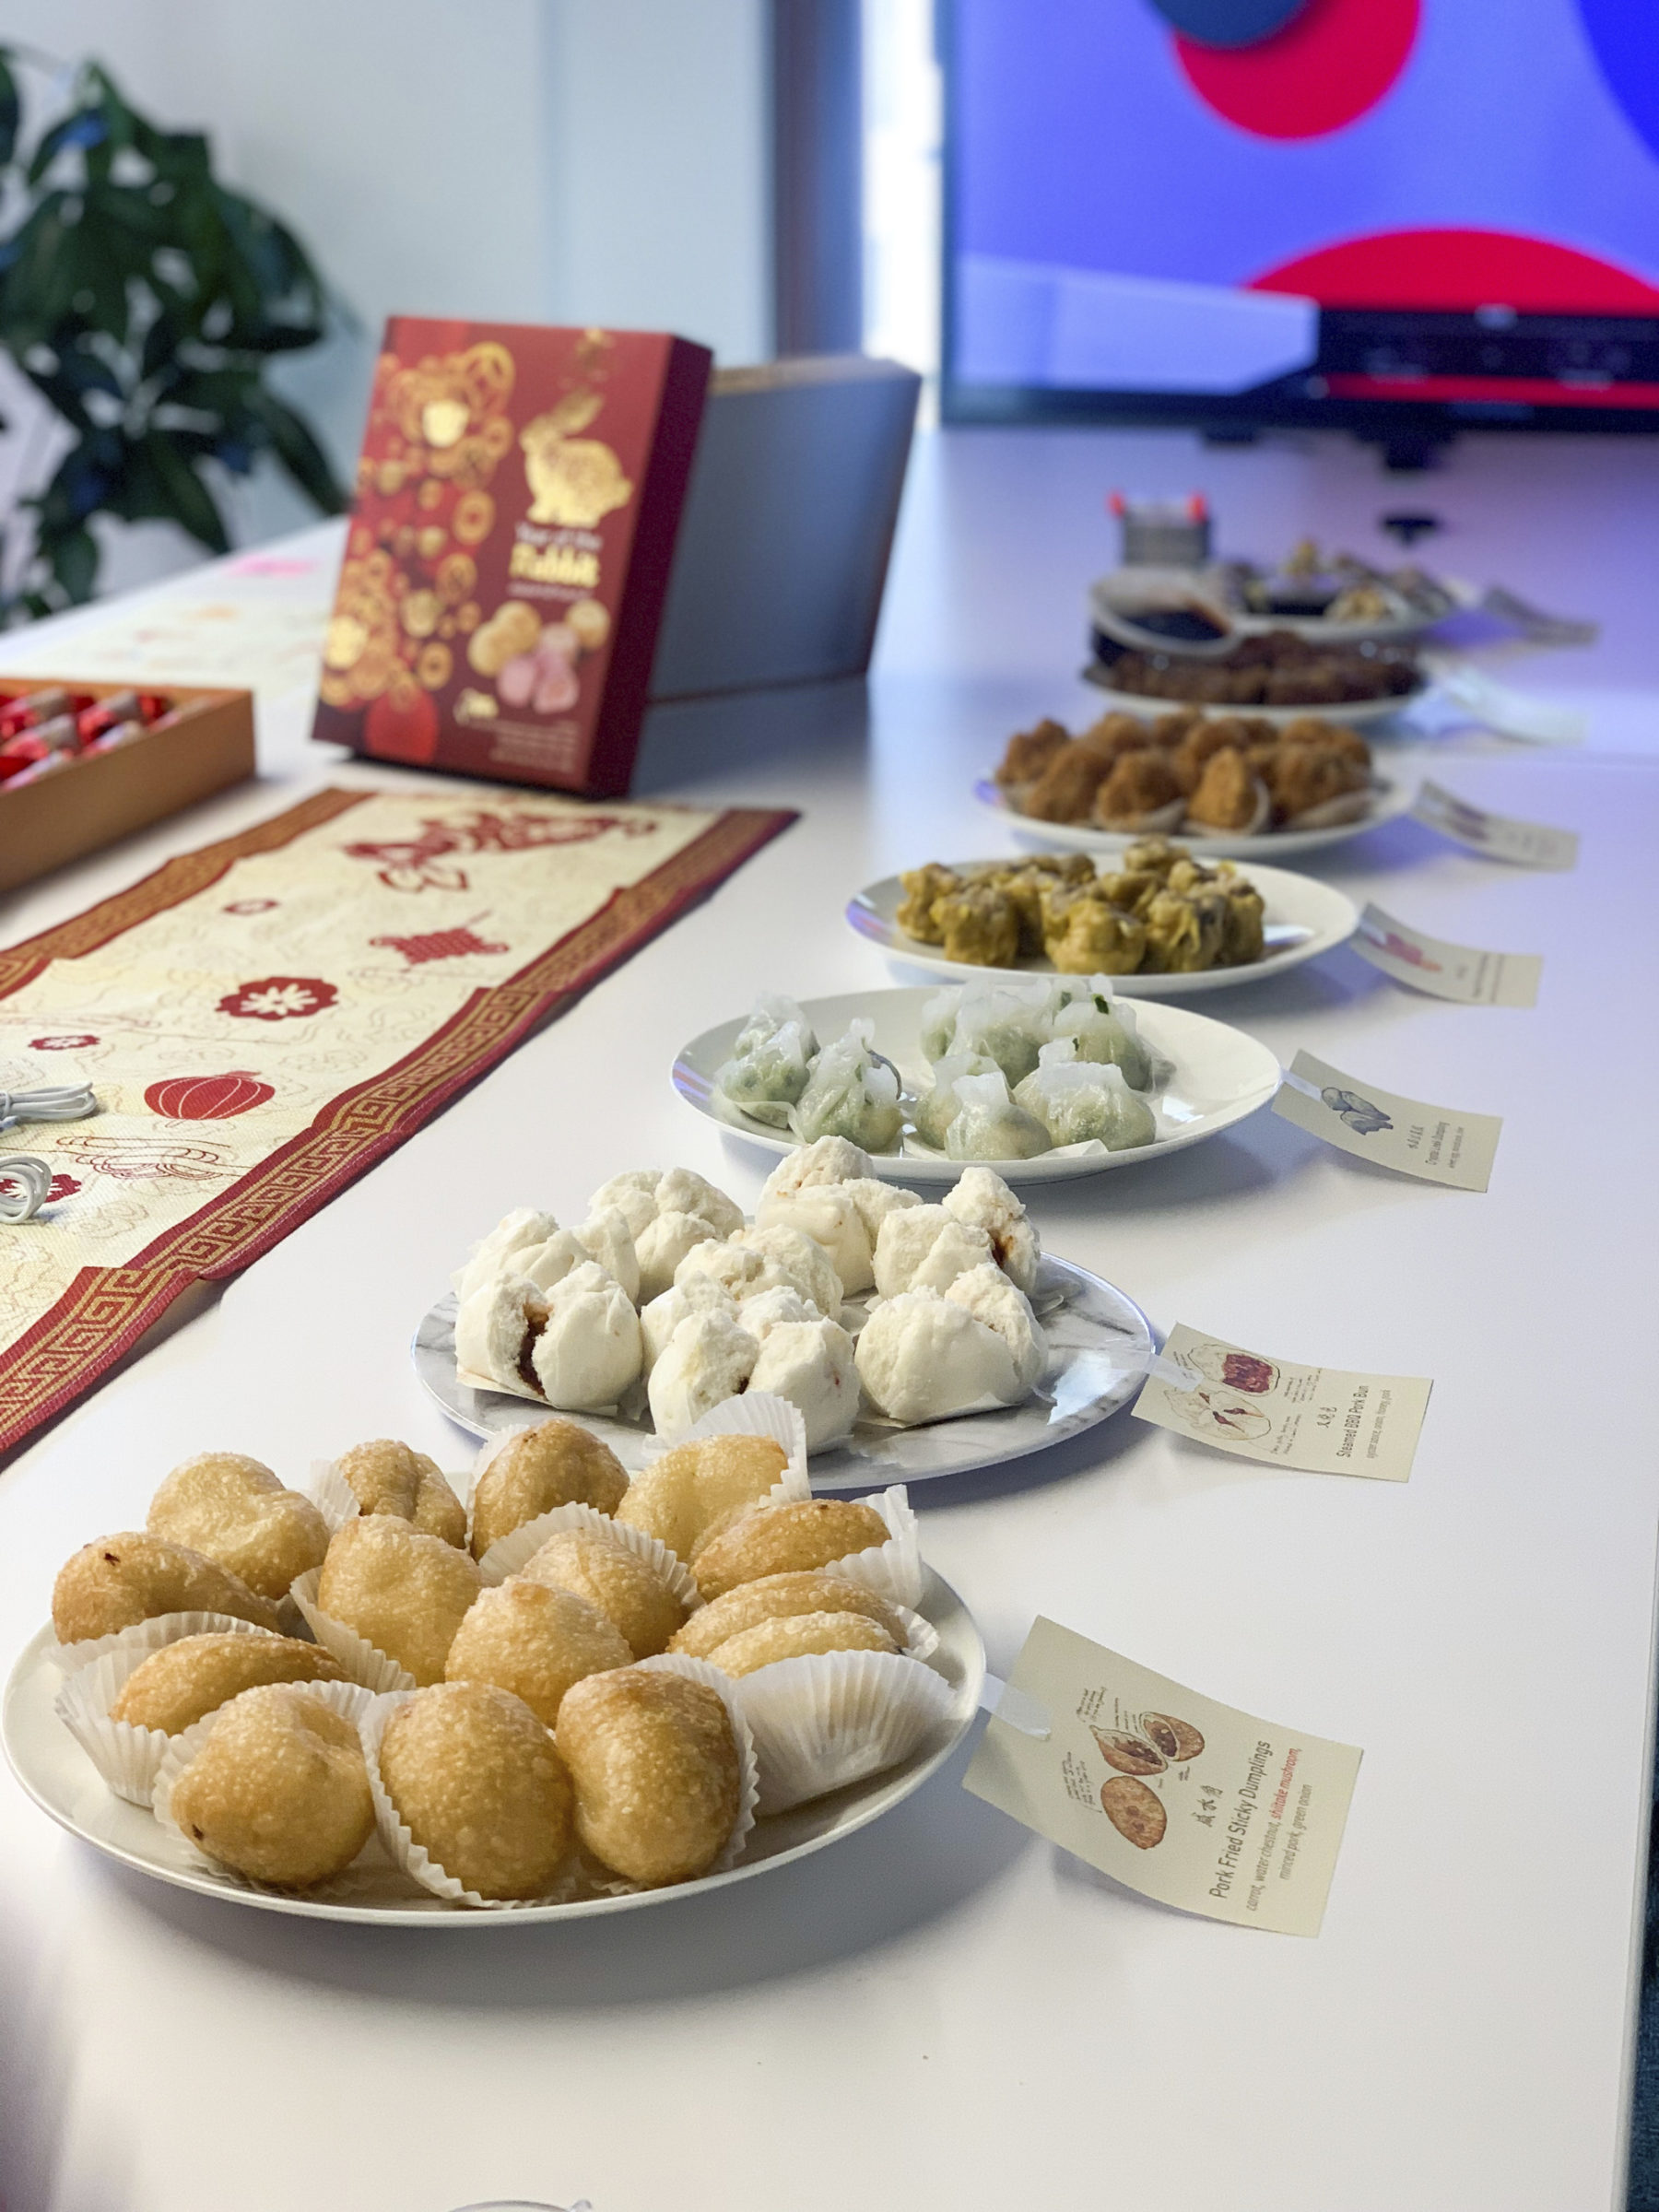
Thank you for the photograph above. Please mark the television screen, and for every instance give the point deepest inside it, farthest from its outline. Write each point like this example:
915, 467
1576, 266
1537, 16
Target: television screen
1303, 210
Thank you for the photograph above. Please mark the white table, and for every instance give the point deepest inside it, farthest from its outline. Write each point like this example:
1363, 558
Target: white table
945, 2011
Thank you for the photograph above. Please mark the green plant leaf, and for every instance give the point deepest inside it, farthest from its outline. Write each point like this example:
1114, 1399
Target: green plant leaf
73, 559
11, 109
298, 452
191, 504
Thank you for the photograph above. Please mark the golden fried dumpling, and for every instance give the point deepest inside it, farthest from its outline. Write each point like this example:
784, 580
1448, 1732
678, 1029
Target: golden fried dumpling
1202, 742
631, 1593
279, 1791
1030, 752
385, 1477
183, 1682
533, 1639
656, 1772
979, 927
799, 1636
780, 1597
117, 1582
787, 1539
701, 1487
1084, 935
234, 1510
1171, 730
480, 1783
923, 887
405, 1592
1228, 795
1336, 737
1305, 776
1064, 791
1141, 784
556, 1463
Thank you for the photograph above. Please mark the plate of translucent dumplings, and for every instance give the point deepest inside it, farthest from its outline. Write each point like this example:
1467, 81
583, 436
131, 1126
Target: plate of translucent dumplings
1043, 1078
911, 1336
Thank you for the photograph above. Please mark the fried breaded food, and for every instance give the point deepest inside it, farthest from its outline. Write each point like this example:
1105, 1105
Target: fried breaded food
1065, 791
980, 926
1171, 730
628, 1590
1304, 776
403, 1592
183, 1682
480, 1785
656, 1773
533, 1639
279, 1791
234, 1510
1202, 742
1085, 935
1115, 734
117, 1582
1030, 752
787, 1539
799, 1636
698, 1489
781, 1597
1139, 784
556, 1463
1313, 729
385, 1477
1228, 795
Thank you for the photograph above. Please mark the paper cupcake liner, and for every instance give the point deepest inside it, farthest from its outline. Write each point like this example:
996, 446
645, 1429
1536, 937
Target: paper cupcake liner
837, 1717
509, 1553
364, 1661
754, 1413
600, 1881
128, 1757
894, 1569
416, 1860
332, 1495
472, 1379
348, 1697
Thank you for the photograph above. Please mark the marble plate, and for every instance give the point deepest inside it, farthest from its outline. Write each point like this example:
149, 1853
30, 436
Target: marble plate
1099, 1341
1304, 918
63, 1781
1220, 1075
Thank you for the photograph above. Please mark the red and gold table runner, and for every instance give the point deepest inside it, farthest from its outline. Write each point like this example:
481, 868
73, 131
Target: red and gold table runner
262, 1019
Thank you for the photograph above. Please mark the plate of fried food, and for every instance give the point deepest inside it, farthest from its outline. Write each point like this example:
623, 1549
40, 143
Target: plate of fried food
1276, 674
570, 1693
1231, 784
1042, 1080
913, 1339
1156, 919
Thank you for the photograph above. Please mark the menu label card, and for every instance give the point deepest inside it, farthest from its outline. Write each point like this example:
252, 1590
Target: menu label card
1184, 1800
1322, 1419
1432, 1143
508, 554
1456, 972
1498, 836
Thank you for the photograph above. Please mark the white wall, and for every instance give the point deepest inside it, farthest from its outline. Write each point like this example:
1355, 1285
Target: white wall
533, 161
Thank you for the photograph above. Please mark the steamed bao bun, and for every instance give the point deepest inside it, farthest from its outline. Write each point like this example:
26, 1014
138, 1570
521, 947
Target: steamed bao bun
478, 1782
701, 1487
709, 1358
826, 1191
117, 1582
923, 1357
279, 1791
757, 1260
183, 1682
533, 1639
980, 1199
533, 1245
535, 1471
588, 1350
404, 1593
666, 1215
792, 1350
232, 1508
385, 1477
656, 1772
926, 1248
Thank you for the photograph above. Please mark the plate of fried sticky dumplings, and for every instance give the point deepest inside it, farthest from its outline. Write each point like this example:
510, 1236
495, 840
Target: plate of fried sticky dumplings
543, 1691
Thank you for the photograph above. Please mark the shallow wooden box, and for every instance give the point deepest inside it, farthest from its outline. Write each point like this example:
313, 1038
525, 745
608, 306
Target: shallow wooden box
206, 743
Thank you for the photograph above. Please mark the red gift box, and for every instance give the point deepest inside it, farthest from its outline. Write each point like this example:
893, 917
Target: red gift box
508, 554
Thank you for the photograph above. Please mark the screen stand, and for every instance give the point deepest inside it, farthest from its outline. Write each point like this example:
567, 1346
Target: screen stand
1404, 451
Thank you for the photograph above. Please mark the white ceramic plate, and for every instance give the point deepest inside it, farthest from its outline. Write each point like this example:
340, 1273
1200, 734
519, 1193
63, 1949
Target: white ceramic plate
1304, 918
1221, 1076
63, 1781
1389, 801
1353, 713
1099, 1341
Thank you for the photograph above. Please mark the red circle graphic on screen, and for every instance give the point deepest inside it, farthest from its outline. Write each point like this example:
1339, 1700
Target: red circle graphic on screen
1452, 271
1324, 69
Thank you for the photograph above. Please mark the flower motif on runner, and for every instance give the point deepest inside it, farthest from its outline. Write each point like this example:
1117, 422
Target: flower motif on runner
61, 1186
69, 1042
424, 862
280, 998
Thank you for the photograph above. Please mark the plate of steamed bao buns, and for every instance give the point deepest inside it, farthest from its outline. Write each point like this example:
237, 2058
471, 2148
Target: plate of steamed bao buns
913, 1338
547, 1689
